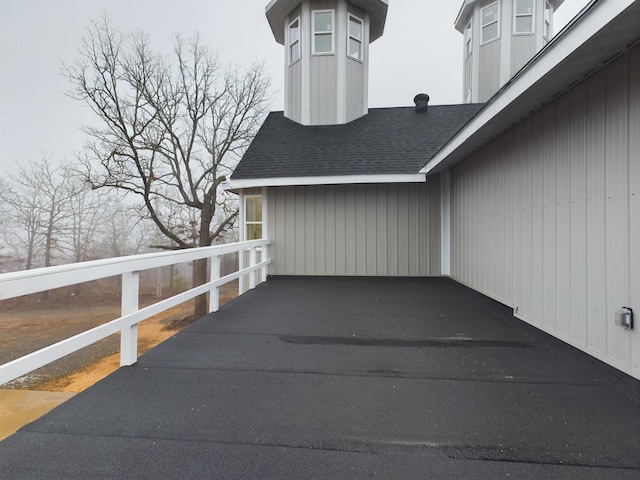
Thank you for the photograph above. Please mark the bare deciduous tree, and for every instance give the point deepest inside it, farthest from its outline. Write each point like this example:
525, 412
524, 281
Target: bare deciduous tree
37, 197
169, 132
84, 215
124, 232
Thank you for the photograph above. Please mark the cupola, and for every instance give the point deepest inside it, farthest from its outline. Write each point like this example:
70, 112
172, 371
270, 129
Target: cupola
500, 37
326, 56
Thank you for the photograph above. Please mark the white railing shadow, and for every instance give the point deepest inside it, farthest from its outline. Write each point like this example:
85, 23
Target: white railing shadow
16, 284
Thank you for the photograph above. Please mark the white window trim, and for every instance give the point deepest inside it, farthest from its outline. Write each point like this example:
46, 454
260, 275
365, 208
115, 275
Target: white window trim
547, 33
468, 41
483, 25
359, 40
298, 41
332, 32
532, 15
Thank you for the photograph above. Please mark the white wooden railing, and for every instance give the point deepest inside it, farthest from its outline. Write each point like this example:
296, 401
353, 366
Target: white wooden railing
16, 284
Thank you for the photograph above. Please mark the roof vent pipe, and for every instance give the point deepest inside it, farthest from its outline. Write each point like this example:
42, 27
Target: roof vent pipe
422, 102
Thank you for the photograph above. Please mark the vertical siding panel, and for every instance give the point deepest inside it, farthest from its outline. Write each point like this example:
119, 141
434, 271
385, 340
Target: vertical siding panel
526, 264
516, 238
455, 223
462, 214
578, 217
413, 247
469, 226
321, 230
330, 227
341, 230
350, 230
361, 230
480, 248
507, 199
466, 266
372, 229
502, 251
310, 234
563, 216
431, 227
392, 232
474, 247
634, 200
278, 230
299, 226
597, 288
494, 221
537, 213
403, 230
290, 233
617, 194
423, 217
549, 218
382, 240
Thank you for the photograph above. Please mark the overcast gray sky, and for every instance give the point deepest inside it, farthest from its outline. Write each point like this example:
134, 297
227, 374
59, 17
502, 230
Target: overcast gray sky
419, 52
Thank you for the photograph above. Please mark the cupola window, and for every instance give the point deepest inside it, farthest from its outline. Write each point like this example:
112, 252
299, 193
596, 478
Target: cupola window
490, 22
523, 21
354, 47
323, 32
294, 41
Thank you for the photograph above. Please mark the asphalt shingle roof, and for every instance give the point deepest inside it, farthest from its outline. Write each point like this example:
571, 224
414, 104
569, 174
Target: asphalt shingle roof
386, 141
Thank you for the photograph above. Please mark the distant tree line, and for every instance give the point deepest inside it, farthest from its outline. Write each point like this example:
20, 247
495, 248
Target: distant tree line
49, 215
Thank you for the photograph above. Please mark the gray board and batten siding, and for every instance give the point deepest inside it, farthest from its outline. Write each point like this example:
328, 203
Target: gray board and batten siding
366, 229
546, 218
489, 69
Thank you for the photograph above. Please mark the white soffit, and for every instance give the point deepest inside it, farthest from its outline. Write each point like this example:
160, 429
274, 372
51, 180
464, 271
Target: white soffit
232, 185
604, 29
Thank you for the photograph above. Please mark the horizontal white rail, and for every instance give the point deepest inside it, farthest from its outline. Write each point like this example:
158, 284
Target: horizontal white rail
32, 281
15, 284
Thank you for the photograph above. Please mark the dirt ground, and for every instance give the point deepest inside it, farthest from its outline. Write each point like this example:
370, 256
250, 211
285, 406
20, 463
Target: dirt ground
28, 324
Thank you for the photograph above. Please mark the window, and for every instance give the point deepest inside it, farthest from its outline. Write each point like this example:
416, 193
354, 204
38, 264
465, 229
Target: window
547, 21
253, 217
294, 41
523, 20
323, 32
354, 46
490, 22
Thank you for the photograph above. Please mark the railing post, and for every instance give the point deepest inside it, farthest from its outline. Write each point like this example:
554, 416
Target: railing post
265, 269
252, 263
214, 294
241, 264
129, 304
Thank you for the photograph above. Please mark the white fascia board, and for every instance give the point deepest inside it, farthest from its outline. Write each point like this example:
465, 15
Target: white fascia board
326, 180
462, 15
554, 54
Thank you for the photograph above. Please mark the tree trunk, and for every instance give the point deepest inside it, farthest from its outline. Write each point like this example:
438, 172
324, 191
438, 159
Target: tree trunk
201, 307
199, 278
47, 256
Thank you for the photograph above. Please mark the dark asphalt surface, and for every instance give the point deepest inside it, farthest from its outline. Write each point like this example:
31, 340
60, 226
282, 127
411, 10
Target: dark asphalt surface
346, 378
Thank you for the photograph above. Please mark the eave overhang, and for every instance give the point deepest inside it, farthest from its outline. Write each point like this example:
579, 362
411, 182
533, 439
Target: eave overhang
277, 11
236, 185
602, 31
